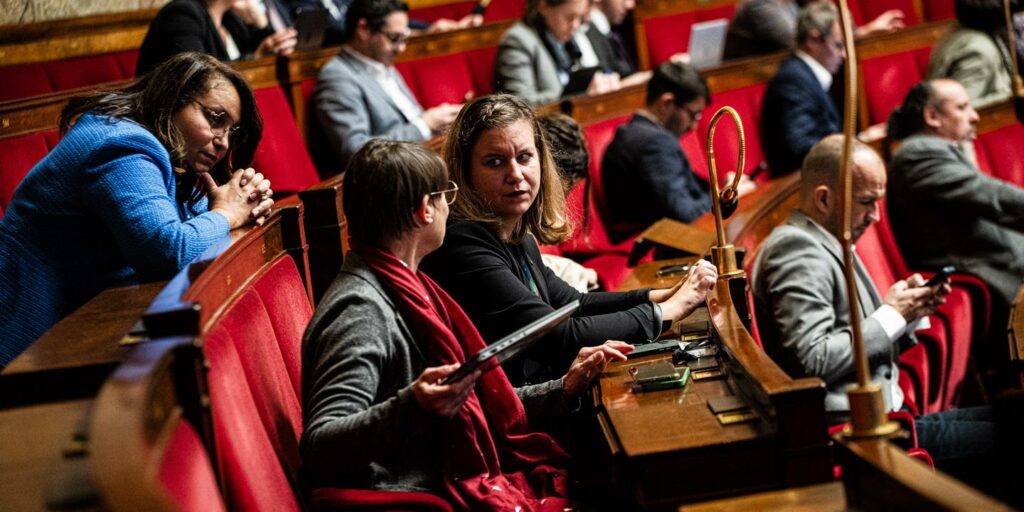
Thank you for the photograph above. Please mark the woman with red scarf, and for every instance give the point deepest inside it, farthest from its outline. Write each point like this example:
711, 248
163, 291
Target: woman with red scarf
383, 338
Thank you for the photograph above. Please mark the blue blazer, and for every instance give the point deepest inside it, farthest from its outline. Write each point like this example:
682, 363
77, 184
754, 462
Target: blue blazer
646, 176
796, 113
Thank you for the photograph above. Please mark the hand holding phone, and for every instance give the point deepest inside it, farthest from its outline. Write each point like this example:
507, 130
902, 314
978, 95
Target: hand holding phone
941, 276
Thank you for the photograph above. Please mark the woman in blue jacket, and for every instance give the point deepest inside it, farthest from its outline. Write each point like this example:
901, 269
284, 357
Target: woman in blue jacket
131, 193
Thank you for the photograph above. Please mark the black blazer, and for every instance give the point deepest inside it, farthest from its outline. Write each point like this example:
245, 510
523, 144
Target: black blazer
796, 113
483, 275
646, 176
185, 26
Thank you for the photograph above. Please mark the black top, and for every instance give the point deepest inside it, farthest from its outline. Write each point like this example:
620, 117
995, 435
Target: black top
646, 176
483, 275
185, 26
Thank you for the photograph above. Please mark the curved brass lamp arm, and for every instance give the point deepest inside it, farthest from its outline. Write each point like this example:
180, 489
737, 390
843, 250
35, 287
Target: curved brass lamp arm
724, 203
867, 405
729, 195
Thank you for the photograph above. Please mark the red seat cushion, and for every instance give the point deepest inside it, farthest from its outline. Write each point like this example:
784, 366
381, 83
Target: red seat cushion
84, 71
127, 60
23, 81
887, 79
611, 269
186, 473
871, 9
280, 156
939, 9
284, 297
505, 10
20, 154
481, 68
452, 11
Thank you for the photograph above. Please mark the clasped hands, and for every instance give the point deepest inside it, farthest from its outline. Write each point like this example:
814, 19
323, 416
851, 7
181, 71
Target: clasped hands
245, 198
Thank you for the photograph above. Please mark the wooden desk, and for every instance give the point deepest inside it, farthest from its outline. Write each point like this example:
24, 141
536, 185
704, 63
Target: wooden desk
828, 497
32, 453
72, 359
645, 275
668, 448
1015, 331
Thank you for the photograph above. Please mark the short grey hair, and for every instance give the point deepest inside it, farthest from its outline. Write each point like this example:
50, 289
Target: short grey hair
815, 17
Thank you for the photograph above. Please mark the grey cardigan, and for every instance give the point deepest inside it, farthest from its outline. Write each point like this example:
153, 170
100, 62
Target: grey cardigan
363, 426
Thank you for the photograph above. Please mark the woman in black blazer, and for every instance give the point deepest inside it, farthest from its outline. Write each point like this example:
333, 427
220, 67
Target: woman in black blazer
511, 198
226, 29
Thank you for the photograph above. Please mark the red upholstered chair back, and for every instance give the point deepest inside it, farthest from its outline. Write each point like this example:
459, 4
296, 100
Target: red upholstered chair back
253, 346
864, 11
279, 156
887, 78
23, 80
505, 10
596, 240
1002, 151
939, 9
33, 79
441, 79
452, 11
670, 34
186, 474
747, 103
20, 154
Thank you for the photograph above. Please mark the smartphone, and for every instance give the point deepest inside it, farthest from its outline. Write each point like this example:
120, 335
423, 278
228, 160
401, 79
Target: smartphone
672, 270
941, 275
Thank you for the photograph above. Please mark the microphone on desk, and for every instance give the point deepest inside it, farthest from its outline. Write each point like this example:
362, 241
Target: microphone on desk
724, 203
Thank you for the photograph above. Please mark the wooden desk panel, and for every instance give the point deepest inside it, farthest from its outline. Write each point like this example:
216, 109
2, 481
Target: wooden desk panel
34, 440
73, 357
828, 497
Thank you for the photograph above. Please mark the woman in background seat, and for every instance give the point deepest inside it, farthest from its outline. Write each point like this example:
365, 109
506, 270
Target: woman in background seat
377, 412
510, 199
226, 29
129, 194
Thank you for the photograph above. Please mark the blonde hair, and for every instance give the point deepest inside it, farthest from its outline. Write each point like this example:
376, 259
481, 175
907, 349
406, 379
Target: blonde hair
545, 218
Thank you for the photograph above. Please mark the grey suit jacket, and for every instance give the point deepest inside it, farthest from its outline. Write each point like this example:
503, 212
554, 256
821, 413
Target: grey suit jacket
523, 66
944, 211
974, 59
352, 107
359, 359
804, 316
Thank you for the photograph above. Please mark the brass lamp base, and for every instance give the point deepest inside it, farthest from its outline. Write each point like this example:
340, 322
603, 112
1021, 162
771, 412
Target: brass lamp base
867, 413
724, 257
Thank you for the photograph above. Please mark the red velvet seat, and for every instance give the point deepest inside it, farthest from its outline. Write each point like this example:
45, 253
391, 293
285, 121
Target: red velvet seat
279, 156
670, 34
505, 10
864, 11
20, 154
1003, 150
888, 78
747, 103
939, 9
452, 11
442, 79
24, 80
84, 71
186, 474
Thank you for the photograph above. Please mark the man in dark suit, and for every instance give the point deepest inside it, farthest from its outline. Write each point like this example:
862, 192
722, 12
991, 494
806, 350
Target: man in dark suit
604, 15
796, 111
944, 210
645, 174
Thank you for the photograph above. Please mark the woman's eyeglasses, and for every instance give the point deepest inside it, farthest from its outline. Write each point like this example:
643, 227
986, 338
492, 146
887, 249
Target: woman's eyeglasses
220, 124
449, 193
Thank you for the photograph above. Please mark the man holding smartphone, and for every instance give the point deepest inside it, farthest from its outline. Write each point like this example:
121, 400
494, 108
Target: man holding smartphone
804, 318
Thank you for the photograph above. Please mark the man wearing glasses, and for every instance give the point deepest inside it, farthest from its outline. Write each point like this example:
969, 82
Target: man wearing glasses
797, 111
646, 175
359, 94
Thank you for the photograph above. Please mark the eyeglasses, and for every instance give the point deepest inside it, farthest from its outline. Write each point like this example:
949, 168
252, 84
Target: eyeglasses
449, 193
220, 124
696, 115
397, 38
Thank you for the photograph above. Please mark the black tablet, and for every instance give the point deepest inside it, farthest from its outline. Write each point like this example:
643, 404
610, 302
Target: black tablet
513, 344
310, 23
579, 80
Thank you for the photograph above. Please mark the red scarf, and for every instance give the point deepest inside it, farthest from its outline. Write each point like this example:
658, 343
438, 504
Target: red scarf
490, 459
